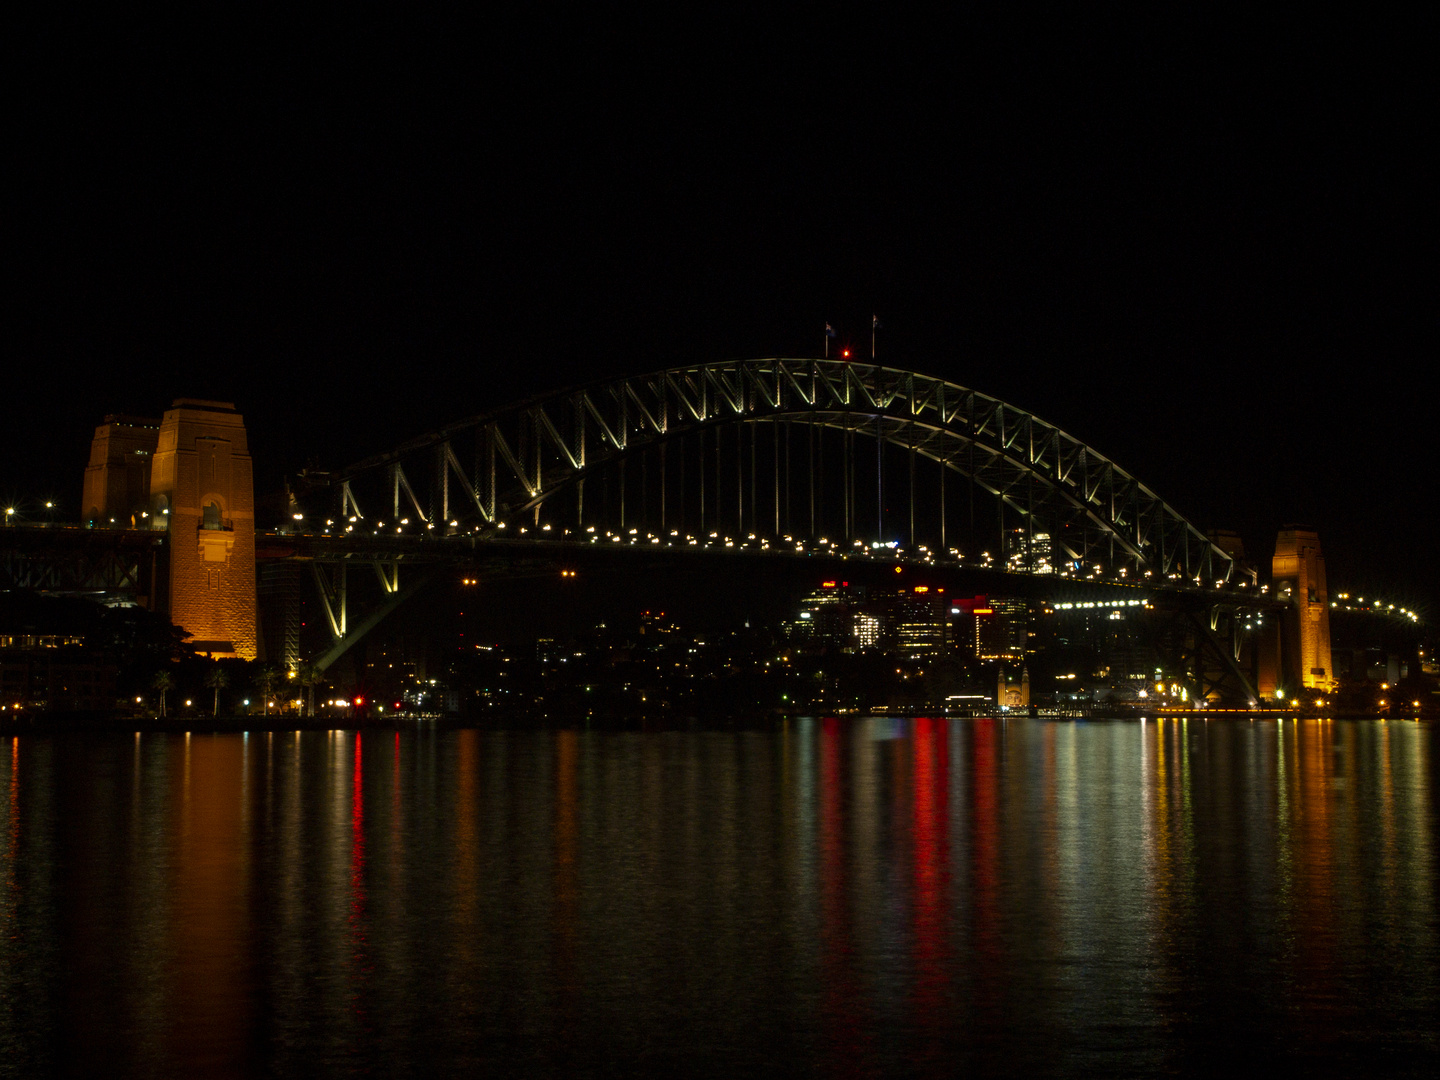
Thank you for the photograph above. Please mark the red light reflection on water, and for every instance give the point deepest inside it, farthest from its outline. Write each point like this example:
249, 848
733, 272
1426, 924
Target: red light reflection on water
566, 881
931, 855
359, 938
989, 930
12, 853
357, 843
842, 1017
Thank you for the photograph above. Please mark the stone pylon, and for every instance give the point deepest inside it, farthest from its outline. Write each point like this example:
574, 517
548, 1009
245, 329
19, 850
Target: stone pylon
1298, 655
201, 485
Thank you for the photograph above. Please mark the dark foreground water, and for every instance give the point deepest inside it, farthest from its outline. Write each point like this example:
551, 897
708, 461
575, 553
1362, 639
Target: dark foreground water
849, 897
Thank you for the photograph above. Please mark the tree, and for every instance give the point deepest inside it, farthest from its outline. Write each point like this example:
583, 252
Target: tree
217, 678
309, 676
163, 682
266, 680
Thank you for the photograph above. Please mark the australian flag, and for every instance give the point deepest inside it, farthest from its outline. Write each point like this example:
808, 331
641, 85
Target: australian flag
829, 330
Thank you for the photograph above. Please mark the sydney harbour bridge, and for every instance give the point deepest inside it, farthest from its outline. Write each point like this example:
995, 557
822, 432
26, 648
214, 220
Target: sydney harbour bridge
852, 463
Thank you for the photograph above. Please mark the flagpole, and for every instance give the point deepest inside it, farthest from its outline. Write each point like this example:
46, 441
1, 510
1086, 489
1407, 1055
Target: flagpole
874, 322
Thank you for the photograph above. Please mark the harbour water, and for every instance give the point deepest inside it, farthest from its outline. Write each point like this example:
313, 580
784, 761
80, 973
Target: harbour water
819, 897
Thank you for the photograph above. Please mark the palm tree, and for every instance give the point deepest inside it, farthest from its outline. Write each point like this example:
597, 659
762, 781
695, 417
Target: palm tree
163, 682
217, 678
309, 676
265, 680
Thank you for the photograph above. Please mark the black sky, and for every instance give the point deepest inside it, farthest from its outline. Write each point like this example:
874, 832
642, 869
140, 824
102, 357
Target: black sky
1206, 248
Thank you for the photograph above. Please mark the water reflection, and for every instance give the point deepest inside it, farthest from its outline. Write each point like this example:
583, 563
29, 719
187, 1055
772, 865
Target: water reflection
831, 897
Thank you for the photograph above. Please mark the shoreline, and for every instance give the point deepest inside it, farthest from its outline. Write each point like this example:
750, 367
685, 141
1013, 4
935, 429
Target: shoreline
109, 724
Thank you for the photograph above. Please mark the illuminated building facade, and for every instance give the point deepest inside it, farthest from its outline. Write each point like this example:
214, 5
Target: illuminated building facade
202, 486
1014, 695
1024, 552
867, 630
1001, 626
918, 616
961, 631
827, 617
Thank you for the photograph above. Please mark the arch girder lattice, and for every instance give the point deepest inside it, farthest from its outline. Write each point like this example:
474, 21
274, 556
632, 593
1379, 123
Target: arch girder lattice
475, 473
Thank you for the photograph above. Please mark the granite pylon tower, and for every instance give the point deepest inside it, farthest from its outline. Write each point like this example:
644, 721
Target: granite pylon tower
202, 490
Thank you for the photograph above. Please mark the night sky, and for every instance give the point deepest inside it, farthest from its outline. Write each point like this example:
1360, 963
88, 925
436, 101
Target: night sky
1207, 249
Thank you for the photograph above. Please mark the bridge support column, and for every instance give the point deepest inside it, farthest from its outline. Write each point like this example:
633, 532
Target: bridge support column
1298, 574
201, 484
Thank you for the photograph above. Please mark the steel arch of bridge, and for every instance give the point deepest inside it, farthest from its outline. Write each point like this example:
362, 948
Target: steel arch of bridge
473, 475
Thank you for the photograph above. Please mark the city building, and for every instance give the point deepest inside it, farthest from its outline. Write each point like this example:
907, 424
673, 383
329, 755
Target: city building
1012, 694
54, 673
918, 618
826, 619
1024, 552
867, 630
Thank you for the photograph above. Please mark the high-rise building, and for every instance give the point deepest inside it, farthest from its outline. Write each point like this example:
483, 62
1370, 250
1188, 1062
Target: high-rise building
961, 630
826, 617
918, 616
1027, 552
867, 630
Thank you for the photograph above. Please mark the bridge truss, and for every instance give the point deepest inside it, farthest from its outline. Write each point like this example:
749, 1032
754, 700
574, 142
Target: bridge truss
856, 458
